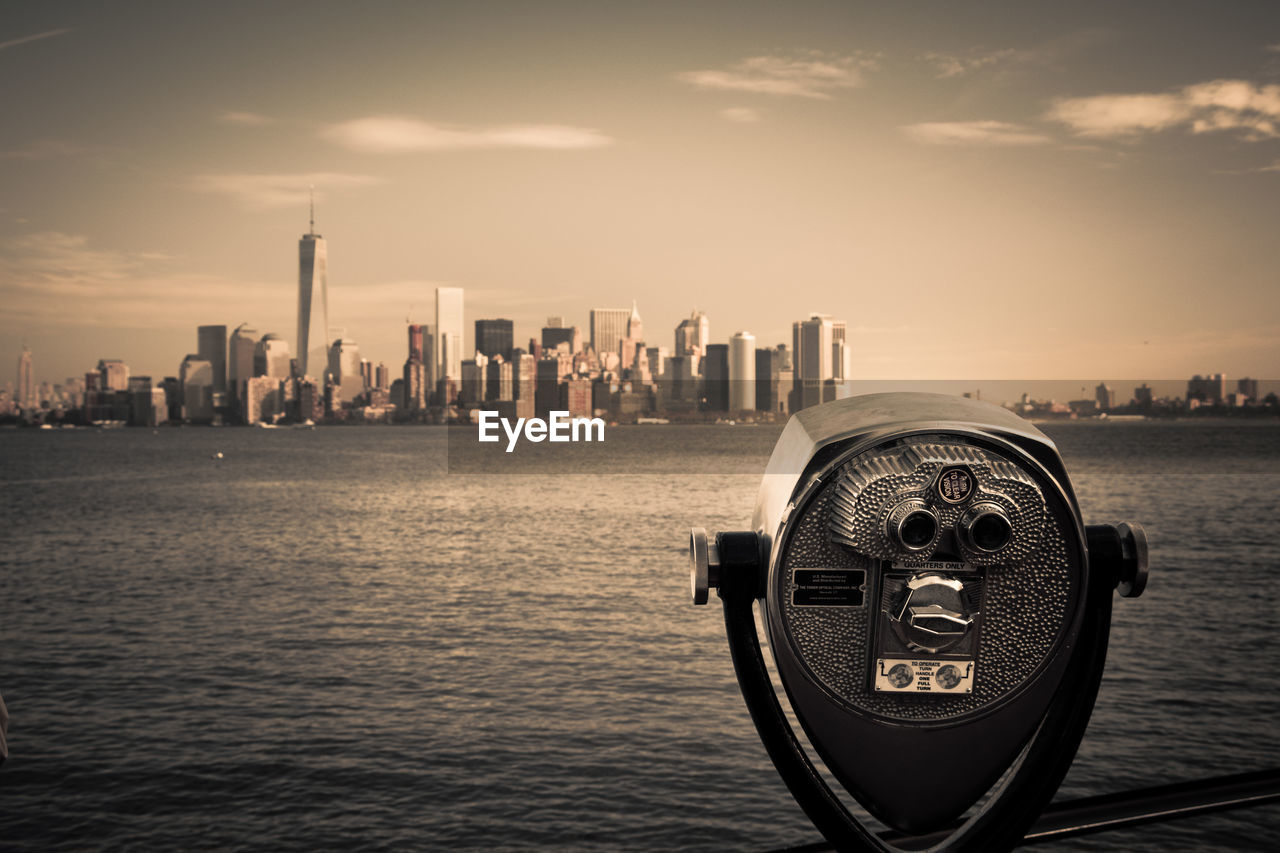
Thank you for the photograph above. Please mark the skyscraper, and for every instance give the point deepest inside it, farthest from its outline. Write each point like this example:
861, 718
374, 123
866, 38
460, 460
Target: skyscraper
240, 359
693, 335
211, 345
742, 372
313, 302
114, 374
271, 357
608, 328
635, 328
449, 332
344, 367
716, 373
821, 359
495, 337
196, 376
26, 381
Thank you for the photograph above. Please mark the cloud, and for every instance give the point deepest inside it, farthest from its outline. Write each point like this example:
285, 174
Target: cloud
55, 278
742, 115
403, 134
277, 190
973, 133
812, 76
956, 65
243, 118
1217, 105
44, 149
5, 45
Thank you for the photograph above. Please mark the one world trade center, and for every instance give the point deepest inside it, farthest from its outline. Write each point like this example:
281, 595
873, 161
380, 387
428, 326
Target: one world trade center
313, 303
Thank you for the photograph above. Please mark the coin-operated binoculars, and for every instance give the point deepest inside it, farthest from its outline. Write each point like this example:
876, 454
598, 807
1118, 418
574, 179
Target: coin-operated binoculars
937, 610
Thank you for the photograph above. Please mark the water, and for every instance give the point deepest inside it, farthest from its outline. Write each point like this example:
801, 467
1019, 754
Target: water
323, 640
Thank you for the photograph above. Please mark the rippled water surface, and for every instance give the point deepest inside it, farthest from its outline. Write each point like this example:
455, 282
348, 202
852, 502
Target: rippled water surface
324, 640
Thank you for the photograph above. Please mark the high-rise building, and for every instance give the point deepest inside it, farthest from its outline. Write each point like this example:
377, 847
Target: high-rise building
313, 302
1211, 389
524, 376
840, 353
657, 357
608, 328
635, 327
240, 359
716, 373
1247, 388
693, 335
821, 360
553, 336
1142, 395
196, 376
742, 372
271, 357
812, 341
495, 337
344, 368
211, 345
773, 379
1105, 396
474, 372
262, 399
415, 343
114, 375
497, 383
449, 333
381, 377
26, 393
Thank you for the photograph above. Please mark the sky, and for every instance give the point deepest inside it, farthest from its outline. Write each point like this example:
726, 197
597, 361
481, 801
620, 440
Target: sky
1016, 191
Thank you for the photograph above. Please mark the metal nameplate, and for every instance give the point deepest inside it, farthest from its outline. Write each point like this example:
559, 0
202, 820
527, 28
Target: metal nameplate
923, 676
829, 588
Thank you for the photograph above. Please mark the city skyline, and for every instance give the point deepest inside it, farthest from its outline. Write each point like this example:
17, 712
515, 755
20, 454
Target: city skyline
1076, 189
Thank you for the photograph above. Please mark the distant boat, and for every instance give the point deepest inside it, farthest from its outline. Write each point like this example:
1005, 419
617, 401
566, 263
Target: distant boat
265, 425
217, 455
652, 421
307, 424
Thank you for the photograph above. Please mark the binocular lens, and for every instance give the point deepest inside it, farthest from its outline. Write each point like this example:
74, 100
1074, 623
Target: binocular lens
918, 530
990, 531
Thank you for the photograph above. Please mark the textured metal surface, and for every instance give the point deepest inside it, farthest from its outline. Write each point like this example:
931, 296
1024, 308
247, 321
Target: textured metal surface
1028, 584
873, 484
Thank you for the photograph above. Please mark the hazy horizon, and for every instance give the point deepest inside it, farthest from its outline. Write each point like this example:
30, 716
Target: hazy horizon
1051, 192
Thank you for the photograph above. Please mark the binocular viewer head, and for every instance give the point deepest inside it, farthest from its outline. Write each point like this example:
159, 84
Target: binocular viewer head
930, 594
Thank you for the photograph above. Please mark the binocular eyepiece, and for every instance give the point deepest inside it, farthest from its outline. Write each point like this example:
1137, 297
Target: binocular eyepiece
936, 608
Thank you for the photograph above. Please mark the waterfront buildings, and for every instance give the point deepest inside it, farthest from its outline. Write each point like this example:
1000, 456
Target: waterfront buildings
773, 380
821, 356
716, 377
211, 345
113, 375
313, 302
608, 328
495, 337
26, 393
240, 349
447, 346
344, 369
271, 357
742, 372
196, 378
693, 335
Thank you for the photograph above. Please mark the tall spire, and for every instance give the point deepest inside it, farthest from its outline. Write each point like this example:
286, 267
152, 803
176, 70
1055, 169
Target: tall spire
313, 210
